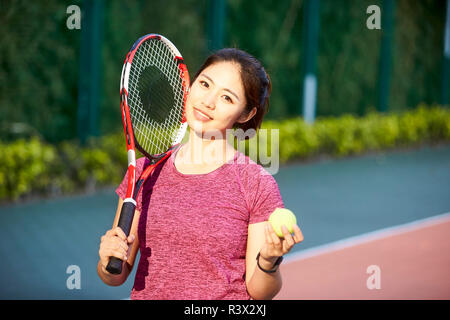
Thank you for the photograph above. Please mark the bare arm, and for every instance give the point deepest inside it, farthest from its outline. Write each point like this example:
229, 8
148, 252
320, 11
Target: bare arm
262, 285
115, 243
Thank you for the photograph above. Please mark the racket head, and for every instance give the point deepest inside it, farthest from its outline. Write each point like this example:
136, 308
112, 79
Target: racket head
154, 87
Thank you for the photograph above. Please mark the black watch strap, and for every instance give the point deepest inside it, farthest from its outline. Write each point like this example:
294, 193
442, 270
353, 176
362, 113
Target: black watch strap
275, 266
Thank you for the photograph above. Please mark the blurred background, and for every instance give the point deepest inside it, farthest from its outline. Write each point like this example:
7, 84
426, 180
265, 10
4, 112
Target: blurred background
366, 78
41, 56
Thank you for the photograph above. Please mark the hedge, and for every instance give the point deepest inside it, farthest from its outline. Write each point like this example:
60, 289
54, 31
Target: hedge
35, 168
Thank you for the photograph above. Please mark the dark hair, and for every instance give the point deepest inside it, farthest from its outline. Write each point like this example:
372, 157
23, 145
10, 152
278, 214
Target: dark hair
256, 82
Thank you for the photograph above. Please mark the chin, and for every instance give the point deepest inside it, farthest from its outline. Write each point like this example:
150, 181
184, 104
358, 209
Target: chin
206, 131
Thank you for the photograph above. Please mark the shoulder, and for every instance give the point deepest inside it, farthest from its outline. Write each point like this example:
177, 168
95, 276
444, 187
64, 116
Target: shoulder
253, 177
260, 189
249, 168
142, 162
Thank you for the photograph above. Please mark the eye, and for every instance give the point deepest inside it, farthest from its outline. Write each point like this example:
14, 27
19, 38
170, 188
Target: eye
228, 99
204, 83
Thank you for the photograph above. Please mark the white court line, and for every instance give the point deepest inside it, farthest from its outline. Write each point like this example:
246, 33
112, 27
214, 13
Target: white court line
367, 237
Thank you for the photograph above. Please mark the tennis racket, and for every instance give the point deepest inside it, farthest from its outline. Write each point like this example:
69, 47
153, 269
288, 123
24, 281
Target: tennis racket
153, 89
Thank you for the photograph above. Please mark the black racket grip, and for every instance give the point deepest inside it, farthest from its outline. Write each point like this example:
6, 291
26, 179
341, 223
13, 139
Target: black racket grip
126, 218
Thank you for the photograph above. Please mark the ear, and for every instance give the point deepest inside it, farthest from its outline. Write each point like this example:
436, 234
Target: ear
245, 117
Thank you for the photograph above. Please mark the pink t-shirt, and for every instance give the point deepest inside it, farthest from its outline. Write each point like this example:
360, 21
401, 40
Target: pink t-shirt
193, 229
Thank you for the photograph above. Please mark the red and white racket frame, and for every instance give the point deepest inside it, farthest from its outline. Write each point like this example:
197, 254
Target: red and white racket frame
134, 186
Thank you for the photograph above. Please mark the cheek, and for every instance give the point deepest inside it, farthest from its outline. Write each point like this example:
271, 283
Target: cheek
231, 115
192, 97
190, 101
238, 111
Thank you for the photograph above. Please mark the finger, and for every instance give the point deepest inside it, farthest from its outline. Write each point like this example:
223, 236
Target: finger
119, 243
120, 254
115, 232
109, 233
112, 251
298, 235
119, 232
113, 243
103, 257
119, 247
130, 239
267, 235
275, 239
288, 240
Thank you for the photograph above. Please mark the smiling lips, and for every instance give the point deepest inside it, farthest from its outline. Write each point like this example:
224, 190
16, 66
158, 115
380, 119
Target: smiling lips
201, 116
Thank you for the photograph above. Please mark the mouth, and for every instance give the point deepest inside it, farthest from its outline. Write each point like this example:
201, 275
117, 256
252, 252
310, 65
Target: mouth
201, 115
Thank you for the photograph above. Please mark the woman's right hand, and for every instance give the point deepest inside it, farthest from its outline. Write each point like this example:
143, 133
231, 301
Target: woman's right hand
114, 243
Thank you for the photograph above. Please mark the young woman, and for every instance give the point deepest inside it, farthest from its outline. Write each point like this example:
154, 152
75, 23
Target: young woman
201, 220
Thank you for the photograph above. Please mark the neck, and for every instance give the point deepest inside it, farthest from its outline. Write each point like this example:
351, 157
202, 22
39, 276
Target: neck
206, 151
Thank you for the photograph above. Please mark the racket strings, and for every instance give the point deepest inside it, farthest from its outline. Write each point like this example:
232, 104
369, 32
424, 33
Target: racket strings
156, 103
151, 131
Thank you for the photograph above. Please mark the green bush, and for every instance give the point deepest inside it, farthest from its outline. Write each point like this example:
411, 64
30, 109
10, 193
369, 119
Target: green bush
423, 125
349, 135
25, 166
33, 167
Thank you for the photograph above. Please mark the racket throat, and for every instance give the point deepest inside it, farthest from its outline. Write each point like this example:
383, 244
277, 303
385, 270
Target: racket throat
138, 188
153, 163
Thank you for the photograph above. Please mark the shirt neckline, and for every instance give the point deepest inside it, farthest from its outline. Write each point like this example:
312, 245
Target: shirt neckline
208, 174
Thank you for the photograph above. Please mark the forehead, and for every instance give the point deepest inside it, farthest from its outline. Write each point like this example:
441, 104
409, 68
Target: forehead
225, 74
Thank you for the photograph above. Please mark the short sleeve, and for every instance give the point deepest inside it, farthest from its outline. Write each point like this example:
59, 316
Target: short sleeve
121, 190
263, 195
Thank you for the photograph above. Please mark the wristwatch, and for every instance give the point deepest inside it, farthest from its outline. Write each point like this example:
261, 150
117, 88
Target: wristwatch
275, 266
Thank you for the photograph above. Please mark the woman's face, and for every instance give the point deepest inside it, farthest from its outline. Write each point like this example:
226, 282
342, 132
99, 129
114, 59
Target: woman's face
217, 99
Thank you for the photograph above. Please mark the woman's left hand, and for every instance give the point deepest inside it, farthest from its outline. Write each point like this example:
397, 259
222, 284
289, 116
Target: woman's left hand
274, 246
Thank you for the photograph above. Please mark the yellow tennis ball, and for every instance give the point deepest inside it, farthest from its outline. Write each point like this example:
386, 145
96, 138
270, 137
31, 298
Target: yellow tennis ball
282, 216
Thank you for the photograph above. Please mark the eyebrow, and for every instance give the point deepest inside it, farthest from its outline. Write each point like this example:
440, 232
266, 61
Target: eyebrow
225, 89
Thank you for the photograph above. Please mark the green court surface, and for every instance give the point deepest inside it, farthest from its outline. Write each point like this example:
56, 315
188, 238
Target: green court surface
333, 200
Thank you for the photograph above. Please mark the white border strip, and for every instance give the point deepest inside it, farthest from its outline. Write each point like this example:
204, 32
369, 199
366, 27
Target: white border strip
367, 237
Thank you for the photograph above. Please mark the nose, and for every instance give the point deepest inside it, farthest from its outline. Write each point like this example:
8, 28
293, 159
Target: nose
209, 100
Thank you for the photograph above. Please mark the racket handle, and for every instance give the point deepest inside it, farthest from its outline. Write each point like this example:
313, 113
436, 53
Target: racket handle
126, 218
114, 265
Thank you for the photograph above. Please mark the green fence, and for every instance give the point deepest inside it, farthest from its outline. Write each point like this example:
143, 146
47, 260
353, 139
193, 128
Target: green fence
40, 56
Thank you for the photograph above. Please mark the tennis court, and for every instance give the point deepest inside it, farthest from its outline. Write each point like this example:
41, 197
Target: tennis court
410, 262
388, 210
